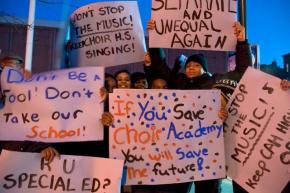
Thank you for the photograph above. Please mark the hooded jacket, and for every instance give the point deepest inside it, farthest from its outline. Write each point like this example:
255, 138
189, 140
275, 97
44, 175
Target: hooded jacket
205, 81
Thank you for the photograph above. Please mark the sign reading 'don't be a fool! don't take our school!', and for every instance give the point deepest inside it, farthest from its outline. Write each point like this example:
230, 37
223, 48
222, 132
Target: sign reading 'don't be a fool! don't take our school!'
107, 34
257, 133
56, 106
29, 173
167, 136
198, 25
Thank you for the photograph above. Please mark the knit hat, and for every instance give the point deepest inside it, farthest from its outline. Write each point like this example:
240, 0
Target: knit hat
137, 76
226, 86
13, 57
199, 58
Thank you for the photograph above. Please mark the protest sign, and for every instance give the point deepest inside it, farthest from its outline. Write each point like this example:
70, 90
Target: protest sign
27, 172
167, 136
107, 34
55, 106
257, 133
198, 25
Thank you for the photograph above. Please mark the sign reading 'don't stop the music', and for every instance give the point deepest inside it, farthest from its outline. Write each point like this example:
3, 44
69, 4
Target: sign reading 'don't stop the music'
107, 34
257, 134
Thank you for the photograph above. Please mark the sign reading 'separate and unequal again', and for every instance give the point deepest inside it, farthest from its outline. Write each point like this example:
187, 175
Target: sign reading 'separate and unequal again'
62, 105
67, 174
257, 133
107, 34
167, 136
193, 24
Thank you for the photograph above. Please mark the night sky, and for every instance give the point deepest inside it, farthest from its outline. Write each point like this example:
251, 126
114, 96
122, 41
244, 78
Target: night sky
268, 23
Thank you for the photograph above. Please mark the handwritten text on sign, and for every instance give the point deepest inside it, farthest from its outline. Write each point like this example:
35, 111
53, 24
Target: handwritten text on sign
54, 106
167, 136
107, 34
69, 174
257, 133
199, 25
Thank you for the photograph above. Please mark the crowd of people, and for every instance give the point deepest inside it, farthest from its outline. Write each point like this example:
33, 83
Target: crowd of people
156, 75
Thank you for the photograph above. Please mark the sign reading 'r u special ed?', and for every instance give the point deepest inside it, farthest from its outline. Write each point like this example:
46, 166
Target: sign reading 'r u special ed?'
29, 173
167, 136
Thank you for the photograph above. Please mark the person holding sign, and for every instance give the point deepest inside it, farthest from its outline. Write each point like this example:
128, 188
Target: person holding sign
196, 76
47, 152
123, 81
15, 62
152, 75
139, 80
110, 82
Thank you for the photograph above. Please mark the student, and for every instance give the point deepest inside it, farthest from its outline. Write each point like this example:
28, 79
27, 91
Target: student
139, 80
47, 152
196, 76
110, 82
159, 83
123, 81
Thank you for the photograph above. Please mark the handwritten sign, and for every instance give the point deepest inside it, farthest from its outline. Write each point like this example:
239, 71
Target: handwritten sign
167, 136
27, 172
107, 34
198, 25
257, 133
52, 107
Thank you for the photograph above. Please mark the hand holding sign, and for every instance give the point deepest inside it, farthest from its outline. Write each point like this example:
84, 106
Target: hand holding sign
49, 154
239, 31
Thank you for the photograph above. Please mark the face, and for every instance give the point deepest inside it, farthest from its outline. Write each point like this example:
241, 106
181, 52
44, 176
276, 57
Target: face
123, 80
141, 84
159, 84
111, 83
193, 69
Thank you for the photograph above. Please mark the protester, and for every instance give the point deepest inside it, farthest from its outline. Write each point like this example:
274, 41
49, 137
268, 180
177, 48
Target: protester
139, 80
47, 152
123, 81
110, 82
196, 76
159, 83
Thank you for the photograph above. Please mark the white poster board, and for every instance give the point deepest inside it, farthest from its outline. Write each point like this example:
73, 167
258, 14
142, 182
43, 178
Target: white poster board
27, 172
167, 136
257, 133
55, 106
198, 25
107, 34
